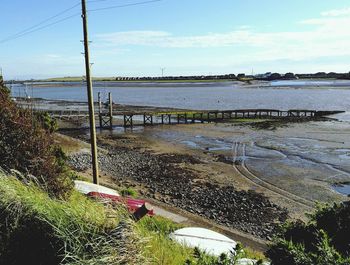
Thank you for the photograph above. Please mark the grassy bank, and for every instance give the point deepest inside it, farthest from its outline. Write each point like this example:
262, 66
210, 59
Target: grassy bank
37, 229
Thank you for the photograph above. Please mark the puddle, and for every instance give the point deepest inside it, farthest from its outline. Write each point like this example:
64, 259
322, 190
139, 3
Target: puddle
224, 148
292, 159
344, 156
206, 143
343, 189
190, 144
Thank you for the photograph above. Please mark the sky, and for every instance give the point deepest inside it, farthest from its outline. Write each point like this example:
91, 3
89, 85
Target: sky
185, 37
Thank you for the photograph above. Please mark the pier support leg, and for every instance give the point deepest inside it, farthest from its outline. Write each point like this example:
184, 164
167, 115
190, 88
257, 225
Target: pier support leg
100, 109
128, 121
147, 119
110, 110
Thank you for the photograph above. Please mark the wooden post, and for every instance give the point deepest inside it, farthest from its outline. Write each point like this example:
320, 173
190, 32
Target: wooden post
100, 109
110, 110
90, 96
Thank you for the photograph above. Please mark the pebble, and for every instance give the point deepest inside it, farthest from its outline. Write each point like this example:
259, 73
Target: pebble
166, 181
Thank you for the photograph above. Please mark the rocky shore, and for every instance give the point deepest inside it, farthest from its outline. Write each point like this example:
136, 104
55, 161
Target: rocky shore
164, 177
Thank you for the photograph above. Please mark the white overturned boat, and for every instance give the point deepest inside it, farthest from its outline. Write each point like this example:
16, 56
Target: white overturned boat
206, 240
250, 262
87, 187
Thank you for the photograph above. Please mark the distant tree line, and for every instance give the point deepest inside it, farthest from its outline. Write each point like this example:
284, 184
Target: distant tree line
192, 77
267, 77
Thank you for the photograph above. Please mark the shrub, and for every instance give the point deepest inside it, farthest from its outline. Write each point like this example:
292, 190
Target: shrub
47, 122
323, 240
28, 146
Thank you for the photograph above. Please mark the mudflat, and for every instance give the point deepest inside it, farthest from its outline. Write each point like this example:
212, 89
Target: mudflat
234, 174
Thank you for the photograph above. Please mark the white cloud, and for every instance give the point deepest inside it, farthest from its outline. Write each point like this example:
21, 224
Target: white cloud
53, 56
167, 40
328, 36
336, 12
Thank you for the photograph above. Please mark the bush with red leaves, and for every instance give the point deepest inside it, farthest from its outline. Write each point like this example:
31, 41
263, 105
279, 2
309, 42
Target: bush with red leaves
27, 146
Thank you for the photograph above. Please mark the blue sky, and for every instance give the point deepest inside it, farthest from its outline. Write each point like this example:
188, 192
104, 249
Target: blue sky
184, 36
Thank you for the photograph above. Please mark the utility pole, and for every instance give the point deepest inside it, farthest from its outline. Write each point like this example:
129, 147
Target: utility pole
90, 96
163, 69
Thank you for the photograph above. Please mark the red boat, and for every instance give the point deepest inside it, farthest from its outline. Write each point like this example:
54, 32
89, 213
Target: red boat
132, 204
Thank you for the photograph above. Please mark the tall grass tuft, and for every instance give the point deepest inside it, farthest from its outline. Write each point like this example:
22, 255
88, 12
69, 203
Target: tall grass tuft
36, 229
160, 249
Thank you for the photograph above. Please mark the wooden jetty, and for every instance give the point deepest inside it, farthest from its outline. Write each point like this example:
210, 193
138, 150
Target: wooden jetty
131, 119
190, 117
109, 116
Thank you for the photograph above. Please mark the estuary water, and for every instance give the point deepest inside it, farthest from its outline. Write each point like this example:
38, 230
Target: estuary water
309, 159
284, 95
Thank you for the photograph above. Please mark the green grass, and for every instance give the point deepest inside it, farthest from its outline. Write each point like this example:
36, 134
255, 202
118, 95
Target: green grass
251, 120
76, 79
129, 192
246, 79
36, 228
77, 231
161, 250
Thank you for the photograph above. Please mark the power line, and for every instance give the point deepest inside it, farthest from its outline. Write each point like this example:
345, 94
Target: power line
36, 27
125, 5
95, 1
41, 23
40, 28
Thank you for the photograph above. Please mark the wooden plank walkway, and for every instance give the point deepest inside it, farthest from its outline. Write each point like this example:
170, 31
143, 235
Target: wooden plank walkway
130, 119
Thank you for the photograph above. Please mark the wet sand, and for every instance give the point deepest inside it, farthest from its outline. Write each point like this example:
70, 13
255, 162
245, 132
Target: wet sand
304, 159
229, 174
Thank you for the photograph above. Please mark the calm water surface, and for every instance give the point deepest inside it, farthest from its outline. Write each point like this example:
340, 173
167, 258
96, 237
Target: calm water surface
308, 152
318, 95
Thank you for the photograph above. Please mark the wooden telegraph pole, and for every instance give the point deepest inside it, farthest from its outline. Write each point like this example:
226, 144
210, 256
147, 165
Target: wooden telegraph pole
90, 96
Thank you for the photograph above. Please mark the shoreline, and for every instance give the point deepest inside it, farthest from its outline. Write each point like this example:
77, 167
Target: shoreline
166, 178
145, 158
262, 84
